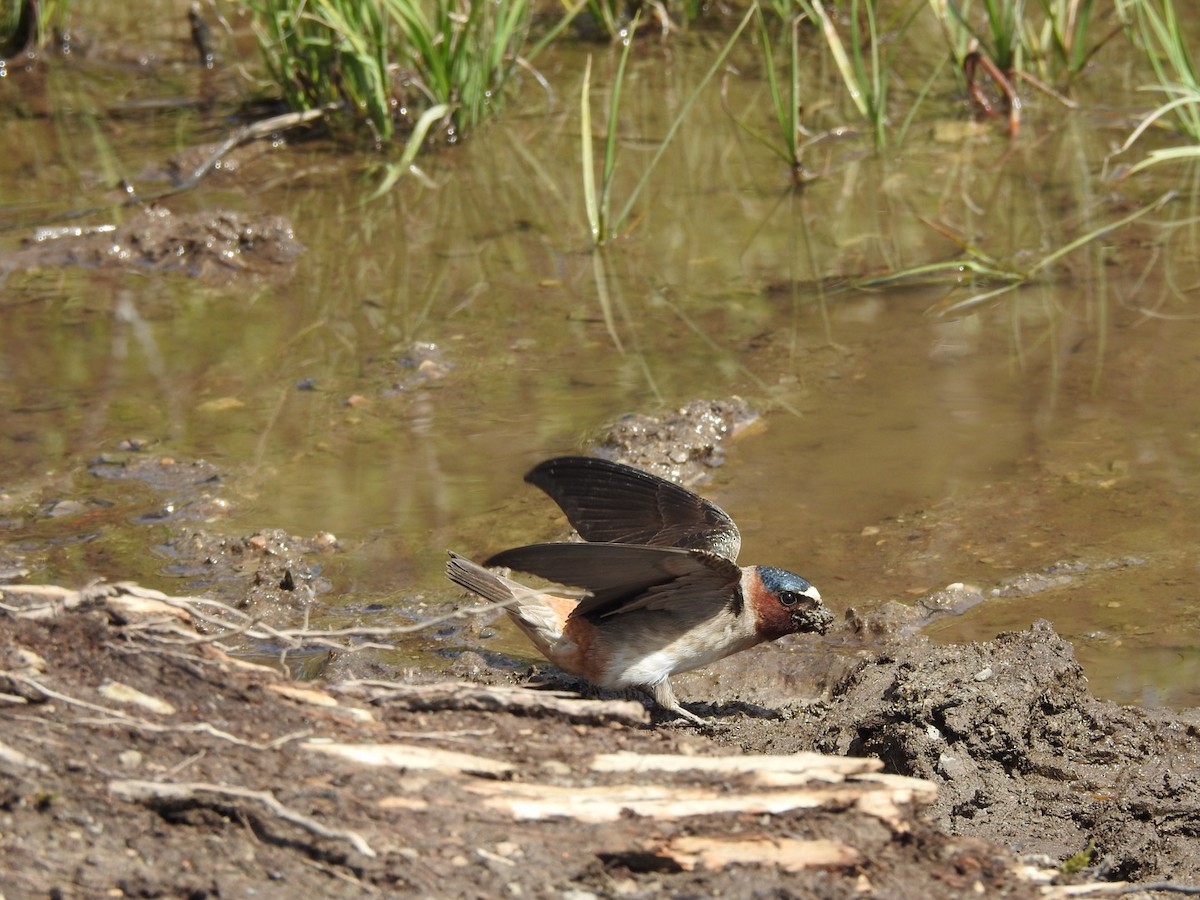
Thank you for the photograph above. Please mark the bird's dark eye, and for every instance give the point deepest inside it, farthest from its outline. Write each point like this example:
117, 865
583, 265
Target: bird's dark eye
789, 598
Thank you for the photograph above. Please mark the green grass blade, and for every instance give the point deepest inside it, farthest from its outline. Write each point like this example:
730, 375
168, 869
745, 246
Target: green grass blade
1165, 155
412, 147
838, 50
1102, 231
585, 153
687, 105
971, 302
612, 133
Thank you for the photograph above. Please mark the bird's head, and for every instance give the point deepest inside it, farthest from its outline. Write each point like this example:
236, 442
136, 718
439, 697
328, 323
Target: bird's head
784, 603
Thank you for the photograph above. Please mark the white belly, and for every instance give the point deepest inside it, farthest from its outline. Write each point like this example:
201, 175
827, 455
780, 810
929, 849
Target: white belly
642, 665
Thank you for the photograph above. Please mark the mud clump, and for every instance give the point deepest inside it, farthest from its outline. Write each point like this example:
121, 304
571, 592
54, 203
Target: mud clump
216, 247
270, 574
681, 445
1023, 754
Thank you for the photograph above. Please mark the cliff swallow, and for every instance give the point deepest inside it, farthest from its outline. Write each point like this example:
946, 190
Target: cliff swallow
664, 593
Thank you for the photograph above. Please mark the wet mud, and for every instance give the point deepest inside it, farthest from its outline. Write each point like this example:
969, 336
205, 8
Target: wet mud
682, 444
139, 759
215, 247
1023, 754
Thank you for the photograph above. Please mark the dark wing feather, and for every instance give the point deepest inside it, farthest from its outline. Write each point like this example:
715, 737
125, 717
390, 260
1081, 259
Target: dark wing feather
608, 502
623, 577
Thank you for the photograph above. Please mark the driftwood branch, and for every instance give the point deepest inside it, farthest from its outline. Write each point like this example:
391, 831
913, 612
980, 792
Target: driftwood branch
789, 854
1117, 889
138, 607
154, 793
407, 756
255, 131
608, 803
110, 716
459, 695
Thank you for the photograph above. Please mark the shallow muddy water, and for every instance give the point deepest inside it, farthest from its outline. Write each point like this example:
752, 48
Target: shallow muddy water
899, 451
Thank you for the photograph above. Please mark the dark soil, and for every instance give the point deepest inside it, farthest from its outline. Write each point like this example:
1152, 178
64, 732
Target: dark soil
1022, 753
139, 760
216, 247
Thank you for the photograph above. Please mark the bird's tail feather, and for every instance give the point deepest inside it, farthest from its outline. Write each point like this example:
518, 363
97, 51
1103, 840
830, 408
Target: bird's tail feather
540, 616
477, 579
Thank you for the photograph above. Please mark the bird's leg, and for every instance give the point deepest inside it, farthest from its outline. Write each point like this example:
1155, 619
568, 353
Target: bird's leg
664, 696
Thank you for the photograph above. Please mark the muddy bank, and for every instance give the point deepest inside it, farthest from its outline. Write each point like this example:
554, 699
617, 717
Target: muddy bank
1022, 753
140, 760
217, 247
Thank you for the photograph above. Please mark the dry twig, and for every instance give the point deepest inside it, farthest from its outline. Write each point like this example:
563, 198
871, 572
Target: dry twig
116, 717
460, 695
151, 792
46, 601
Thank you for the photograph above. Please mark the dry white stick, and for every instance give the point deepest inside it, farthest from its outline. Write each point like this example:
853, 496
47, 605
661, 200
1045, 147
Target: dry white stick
204, 728
72, 701
152, 791
115, 717
43, 601
496, 698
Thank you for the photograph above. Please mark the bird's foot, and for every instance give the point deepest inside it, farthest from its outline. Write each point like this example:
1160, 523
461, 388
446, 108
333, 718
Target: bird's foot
689, 719
665, 698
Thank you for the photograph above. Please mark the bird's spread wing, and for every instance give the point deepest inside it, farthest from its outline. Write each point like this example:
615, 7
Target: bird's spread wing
624, 577
612, 503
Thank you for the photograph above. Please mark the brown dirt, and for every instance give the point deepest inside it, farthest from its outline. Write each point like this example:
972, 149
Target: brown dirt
203, 781
216, 247
86, 807
1022, 752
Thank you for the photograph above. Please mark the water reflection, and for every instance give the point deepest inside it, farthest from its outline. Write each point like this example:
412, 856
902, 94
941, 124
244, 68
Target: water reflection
901, 451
